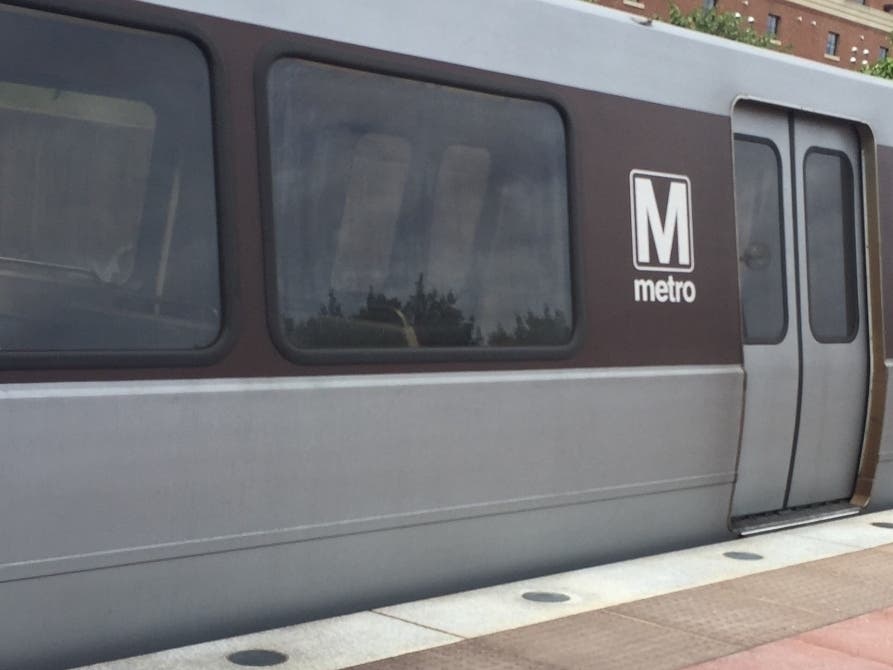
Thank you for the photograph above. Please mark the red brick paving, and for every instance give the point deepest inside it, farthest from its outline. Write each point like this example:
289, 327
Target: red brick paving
862, 643
830, 614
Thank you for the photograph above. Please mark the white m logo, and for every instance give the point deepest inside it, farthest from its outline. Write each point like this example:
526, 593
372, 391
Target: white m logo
649, 227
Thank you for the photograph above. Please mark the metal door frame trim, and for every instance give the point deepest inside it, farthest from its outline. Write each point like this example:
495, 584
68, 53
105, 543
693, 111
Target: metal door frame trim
877, 373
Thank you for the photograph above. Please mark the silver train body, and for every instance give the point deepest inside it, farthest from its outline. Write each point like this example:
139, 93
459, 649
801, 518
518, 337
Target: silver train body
238, 477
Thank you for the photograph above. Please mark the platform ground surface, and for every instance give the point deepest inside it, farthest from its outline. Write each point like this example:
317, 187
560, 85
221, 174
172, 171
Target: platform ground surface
813, 597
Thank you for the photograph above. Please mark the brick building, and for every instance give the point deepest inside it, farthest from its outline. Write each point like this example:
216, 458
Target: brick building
845, 33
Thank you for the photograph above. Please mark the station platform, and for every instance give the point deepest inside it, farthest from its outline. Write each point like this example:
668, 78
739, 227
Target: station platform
815, 597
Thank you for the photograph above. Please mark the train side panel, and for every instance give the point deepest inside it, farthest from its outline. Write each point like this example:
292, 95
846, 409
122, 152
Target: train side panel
244, 504
149, 505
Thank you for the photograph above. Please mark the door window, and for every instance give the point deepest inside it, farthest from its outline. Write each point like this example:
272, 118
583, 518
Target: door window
760, 240
830, 246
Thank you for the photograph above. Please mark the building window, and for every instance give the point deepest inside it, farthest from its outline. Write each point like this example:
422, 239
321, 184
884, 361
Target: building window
772, 25
710, 4
884, 53
413, 215
831, 44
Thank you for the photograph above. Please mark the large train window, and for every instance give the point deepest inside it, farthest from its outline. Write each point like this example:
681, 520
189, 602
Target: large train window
410, 214
760, 240
108, 233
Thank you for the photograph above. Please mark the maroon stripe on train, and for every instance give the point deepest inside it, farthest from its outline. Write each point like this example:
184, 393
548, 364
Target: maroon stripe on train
607, 135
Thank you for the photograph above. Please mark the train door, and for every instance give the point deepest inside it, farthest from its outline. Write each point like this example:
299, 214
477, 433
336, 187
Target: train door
802, 281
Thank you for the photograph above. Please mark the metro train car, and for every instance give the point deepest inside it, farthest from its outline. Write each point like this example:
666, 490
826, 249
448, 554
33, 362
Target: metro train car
314, 306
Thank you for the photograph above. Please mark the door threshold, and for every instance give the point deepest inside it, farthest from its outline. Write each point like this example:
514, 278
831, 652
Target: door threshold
765, 522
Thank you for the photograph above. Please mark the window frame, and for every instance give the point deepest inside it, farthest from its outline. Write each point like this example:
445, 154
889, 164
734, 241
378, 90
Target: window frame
424, 71
124, 19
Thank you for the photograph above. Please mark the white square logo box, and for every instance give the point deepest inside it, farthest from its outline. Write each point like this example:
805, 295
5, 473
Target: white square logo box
655, 238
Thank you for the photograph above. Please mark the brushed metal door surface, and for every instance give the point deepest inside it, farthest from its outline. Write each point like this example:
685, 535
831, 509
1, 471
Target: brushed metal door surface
801, 272
764, 212
833, 321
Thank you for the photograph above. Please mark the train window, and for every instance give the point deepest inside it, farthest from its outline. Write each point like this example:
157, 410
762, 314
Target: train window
108, 232
758, 210
410, 214
830, 245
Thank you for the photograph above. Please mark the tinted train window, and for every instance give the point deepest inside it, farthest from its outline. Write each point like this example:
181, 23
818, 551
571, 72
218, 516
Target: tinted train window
759, 215
108, 233
830, 246
408, 214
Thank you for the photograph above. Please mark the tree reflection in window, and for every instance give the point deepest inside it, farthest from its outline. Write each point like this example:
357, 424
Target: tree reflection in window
427, 318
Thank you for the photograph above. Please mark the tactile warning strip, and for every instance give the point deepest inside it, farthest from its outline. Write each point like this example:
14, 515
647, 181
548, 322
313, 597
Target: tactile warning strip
680, 629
